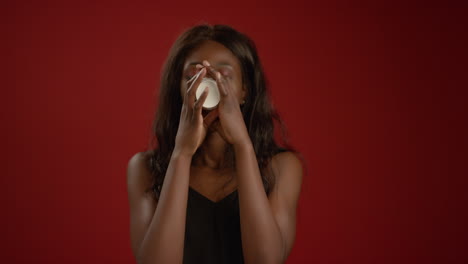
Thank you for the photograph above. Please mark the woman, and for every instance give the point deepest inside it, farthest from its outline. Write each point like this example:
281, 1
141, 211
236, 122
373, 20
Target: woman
230, 192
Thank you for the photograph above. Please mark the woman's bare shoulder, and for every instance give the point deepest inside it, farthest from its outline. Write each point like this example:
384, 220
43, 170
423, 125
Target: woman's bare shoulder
286, 160
138, 171
288, 170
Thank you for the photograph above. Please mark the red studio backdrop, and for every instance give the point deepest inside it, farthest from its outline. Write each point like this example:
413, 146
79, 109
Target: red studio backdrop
370, 94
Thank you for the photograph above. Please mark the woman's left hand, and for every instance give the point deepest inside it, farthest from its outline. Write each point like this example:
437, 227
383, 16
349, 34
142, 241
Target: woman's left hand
232, 126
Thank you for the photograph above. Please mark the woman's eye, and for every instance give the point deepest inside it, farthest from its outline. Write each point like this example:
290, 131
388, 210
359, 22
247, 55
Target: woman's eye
190, 73
226, 74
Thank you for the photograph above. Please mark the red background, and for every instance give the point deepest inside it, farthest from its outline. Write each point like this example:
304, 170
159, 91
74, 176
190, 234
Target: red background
371, 94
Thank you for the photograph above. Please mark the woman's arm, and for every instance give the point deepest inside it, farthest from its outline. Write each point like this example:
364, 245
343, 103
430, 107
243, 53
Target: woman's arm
158, 229
159, 237
267, 224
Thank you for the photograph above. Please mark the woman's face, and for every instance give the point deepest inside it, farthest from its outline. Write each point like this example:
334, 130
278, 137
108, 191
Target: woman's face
221, 59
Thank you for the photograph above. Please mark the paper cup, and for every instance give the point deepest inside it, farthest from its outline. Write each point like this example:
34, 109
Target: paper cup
213, 93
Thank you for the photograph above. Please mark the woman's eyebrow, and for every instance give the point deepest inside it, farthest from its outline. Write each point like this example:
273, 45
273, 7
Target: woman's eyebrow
225, 64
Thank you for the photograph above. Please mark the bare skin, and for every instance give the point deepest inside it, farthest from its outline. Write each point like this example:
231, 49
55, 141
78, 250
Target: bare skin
157, 228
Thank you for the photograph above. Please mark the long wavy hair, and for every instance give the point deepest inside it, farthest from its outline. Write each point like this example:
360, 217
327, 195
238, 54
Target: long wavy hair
258, 112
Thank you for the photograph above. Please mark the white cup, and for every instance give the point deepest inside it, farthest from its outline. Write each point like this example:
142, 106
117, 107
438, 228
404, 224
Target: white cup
213, 93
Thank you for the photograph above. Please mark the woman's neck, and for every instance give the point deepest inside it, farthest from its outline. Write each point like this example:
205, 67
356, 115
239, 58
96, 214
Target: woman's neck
213, 153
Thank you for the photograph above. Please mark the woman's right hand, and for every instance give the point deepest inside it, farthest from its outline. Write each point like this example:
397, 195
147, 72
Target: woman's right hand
192, 125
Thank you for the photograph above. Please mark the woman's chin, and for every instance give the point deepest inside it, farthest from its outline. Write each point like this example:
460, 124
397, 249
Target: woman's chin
213, 127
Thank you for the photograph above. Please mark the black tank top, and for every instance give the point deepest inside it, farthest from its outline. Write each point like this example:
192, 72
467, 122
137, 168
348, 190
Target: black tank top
212, 230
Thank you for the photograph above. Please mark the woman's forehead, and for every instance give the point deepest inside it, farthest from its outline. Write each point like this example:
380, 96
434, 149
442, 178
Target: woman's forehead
215, 53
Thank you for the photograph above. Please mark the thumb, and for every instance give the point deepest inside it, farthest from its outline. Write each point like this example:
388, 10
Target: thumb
210, 117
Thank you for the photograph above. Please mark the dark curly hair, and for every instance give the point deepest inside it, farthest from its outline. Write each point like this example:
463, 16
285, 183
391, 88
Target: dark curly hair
258, 112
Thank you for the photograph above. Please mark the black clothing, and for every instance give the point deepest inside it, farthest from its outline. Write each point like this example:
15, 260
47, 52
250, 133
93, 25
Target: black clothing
212, 230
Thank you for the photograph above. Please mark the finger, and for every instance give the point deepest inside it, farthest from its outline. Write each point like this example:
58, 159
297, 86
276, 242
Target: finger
210, 117
194, 77
199, 103
211, 70
222, 84
219, 79
191, 91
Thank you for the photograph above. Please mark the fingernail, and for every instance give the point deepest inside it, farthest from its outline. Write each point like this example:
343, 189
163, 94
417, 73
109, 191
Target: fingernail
218, 75
206, 63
